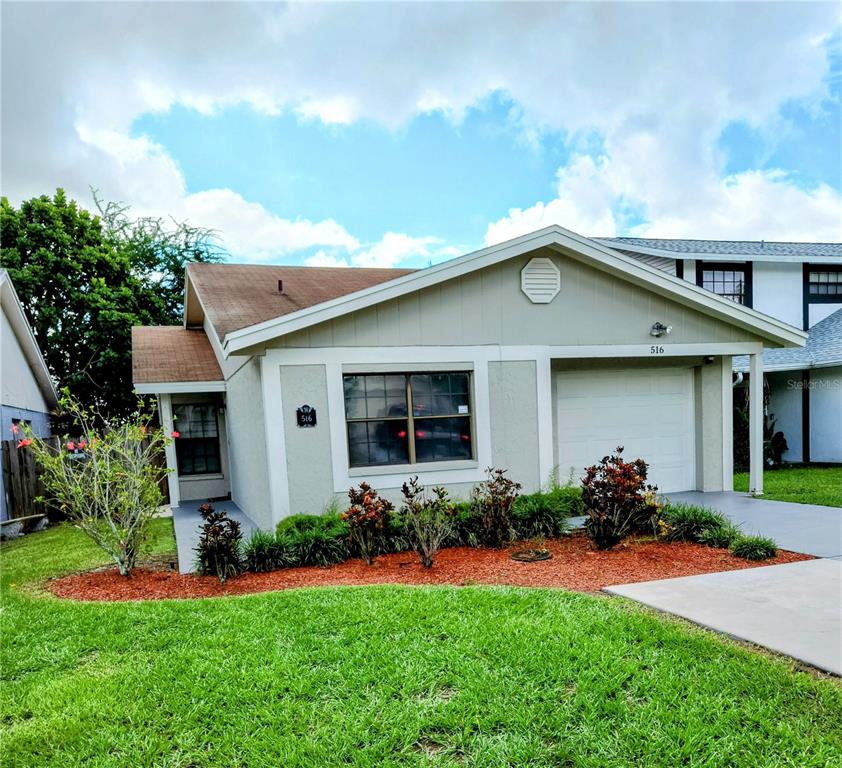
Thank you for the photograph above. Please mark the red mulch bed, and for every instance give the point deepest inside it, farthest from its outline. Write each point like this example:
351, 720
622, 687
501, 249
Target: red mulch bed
574, 565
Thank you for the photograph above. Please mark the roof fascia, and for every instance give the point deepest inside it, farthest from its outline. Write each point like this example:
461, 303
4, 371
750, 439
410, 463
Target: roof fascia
592, 252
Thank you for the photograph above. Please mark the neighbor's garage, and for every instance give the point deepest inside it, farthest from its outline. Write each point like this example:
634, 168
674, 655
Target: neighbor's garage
648, 411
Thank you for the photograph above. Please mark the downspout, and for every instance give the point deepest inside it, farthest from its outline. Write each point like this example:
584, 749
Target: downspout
738, 379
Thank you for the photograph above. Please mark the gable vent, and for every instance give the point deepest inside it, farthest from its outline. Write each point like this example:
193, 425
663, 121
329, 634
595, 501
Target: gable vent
540, 280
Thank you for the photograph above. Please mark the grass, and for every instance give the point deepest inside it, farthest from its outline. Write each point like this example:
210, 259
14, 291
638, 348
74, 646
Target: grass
804, 485
385, 676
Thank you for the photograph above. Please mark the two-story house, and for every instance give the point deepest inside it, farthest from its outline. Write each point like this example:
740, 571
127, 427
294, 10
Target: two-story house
799, 283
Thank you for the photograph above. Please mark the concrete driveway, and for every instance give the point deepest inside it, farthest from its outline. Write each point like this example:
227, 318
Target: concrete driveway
806, 528
795, 608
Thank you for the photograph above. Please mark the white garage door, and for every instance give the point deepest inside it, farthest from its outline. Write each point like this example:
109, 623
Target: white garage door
649, 412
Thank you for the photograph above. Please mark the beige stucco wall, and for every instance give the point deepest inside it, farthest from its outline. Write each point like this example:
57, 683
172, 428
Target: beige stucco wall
308, 454
514, 420
488, 307
247, 441
710, 401
19, 386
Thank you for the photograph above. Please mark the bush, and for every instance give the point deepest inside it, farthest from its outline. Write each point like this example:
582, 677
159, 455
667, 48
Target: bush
106, 479
313, 540
218, 551
467, 526
687, 522
493, 500
545, 513
617, 499
428, 519
263, 552
722, 535
754, 547
366, 517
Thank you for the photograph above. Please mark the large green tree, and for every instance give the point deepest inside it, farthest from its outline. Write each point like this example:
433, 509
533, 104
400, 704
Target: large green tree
84, 280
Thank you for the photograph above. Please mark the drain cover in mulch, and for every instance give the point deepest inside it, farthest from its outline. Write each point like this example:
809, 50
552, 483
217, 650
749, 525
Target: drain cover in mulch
531, 555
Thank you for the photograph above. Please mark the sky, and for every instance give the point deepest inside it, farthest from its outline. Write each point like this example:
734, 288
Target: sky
403, 134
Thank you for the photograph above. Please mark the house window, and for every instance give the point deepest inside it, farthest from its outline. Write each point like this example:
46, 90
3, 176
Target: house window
825, 282
731, 281
408, 418
197, 446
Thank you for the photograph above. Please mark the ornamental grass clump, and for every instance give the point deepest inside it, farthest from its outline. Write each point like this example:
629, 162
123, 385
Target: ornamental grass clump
367, 517
754, 547
428, 519
617, 499
220, 538
105, 478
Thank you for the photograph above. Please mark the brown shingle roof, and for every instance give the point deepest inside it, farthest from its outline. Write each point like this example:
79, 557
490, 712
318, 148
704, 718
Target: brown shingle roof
238, 295
166, 353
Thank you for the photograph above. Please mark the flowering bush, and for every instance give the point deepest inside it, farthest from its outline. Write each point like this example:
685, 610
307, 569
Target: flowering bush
105, 480
429, 519
617, 499
366, 516
218, 551
493, 500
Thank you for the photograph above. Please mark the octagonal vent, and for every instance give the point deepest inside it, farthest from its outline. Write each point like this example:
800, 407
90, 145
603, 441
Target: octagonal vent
540, 280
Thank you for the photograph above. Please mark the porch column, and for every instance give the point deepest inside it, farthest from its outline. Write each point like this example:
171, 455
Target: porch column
755, 423
727, 374
165, 408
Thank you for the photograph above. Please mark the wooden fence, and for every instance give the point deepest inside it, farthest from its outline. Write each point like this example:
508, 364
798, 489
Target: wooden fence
21, 480
23, 485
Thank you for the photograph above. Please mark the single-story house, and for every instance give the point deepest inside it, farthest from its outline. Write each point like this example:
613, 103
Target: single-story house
539, 355
27, 391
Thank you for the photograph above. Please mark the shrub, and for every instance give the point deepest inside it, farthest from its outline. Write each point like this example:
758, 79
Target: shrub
722, 535
687, 522
493, 500
467, 525
218, 551
545, 513
617, 499
105, 479
263, 552
428, 519
313, 540
366, 517
754, 547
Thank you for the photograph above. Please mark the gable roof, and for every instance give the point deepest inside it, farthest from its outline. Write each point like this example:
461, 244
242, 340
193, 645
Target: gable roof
751, 250
170, 353
823, 349
23, 332
555, 237
235, 296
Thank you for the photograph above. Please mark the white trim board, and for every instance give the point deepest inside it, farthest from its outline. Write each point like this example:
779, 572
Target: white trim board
179, 387
562, 240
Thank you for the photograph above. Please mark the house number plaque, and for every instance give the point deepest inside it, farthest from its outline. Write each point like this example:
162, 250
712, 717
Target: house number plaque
306, 416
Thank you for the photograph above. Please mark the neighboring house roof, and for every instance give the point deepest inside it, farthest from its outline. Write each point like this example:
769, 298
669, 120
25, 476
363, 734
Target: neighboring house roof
170, 353
554, 237
823, 349
235, 296
23, 332
751, 250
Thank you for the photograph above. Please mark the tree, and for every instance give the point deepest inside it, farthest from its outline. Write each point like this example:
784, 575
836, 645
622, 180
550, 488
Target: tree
84, 282
107, 481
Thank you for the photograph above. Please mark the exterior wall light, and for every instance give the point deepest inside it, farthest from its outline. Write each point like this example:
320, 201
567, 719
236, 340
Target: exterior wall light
659, 329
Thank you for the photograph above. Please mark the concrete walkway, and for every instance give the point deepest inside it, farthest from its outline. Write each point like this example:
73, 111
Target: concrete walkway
795, 609
806, 528
187, 523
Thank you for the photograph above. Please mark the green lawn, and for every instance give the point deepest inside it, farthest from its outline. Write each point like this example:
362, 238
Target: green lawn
386, 676
805, 485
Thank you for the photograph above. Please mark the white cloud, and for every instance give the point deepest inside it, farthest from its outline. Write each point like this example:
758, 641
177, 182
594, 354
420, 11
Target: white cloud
656, 86
392, 250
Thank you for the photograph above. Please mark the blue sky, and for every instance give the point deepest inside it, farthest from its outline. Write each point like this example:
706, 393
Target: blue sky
403, 134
